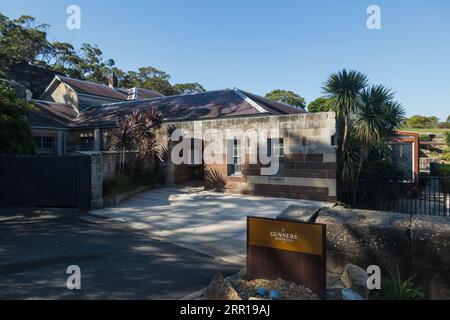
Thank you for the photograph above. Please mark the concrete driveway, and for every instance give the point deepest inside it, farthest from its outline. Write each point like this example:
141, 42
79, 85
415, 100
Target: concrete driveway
208, 222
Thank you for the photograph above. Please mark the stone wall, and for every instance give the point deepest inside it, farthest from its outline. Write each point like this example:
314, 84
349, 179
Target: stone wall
309, 166
418, 244
105, 165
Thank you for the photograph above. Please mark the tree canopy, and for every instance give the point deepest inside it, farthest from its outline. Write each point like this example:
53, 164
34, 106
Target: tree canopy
24, 40
289, 97
15, 130
419, 121
320, 104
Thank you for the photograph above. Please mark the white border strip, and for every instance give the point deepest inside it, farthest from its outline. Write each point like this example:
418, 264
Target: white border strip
250, 101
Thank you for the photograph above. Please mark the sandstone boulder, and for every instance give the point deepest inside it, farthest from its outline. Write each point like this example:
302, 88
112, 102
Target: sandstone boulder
219, 289
355, 278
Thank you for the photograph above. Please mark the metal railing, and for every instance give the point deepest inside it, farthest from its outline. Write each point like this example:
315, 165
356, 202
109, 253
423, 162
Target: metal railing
430, 197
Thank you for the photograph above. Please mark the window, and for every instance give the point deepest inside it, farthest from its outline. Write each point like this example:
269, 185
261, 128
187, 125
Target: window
237, 160
275, 146
87, 141
43, 143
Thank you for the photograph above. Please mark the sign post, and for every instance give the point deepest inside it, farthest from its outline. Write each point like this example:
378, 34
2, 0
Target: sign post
292, 251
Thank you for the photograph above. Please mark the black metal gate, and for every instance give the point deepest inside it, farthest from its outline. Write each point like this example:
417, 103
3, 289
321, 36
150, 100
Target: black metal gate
45, 181
432, 197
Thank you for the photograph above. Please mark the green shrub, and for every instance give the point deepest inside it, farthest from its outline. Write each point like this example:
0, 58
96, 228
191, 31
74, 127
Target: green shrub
443, 170
444, 125
396, 288
126, 183
424, 137
446, 157
447, 138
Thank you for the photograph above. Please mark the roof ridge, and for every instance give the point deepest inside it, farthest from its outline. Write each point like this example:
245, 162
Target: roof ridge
249, 100
90, 82
280, 102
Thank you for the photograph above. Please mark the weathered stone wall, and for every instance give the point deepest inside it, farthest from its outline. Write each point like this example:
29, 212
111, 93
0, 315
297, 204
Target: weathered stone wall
105, 165
418, 244
309, 168
96, 181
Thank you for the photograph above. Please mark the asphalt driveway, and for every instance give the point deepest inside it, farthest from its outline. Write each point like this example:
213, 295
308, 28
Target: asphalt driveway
37, 246
208, 222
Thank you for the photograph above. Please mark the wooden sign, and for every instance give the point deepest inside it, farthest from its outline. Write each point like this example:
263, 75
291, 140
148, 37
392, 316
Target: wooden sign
292, 251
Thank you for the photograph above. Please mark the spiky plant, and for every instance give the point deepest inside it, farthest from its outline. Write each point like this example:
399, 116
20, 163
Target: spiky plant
376, 118
344, 88
122, 139
398, 288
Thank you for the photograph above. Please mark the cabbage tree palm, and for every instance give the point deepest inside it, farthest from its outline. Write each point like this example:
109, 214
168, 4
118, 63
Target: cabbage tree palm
344, 88
376, 118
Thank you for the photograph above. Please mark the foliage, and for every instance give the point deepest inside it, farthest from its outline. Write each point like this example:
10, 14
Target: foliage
126, 183
321, 104
187, 88
448, 118
419, 121
422, 130
137, 132
370, 117
443, 125
397, 288
379, 184
424, 137
343, 89
288, 97
21, 39
447, 138
214, 180
24, 40
15, 130
446, 157
443, 170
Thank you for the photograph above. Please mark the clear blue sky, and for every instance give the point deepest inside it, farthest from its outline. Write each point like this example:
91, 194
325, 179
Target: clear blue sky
260, 45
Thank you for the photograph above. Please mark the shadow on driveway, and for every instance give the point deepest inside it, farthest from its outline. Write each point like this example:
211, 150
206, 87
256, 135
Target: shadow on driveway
37, 246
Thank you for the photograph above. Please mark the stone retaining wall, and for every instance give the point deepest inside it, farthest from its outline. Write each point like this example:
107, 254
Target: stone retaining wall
417, 244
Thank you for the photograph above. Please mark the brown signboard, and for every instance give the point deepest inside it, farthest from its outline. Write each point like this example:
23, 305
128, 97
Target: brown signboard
290, 250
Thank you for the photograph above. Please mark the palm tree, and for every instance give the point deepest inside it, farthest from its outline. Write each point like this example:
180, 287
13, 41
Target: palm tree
344, 88
376, 118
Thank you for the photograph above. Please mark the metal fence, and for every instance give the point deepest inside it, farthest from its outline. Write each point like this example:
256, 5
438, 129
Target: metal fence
430, 197
43, 181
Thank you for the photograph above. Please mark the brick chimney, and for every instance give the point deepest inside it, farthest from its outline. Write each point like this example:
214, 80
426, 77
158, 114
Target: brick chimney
112, 80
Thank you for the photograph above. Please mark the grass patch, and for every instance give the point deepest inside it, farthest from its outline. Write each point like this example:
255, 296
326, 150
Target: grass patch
427, 130
397, 288
126, 183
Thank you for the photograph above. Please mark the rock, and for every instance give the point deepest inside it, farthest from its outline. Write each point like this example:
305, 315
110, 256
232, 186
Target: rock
333, 294
256, 298
348, 294
274, 294
355, 278
261, 292
219, 289
244, 295
304, 213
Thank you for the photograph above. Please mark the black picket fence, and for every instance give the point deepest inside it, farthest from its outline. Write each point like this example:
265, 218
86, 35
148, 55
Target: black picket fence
430, 197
